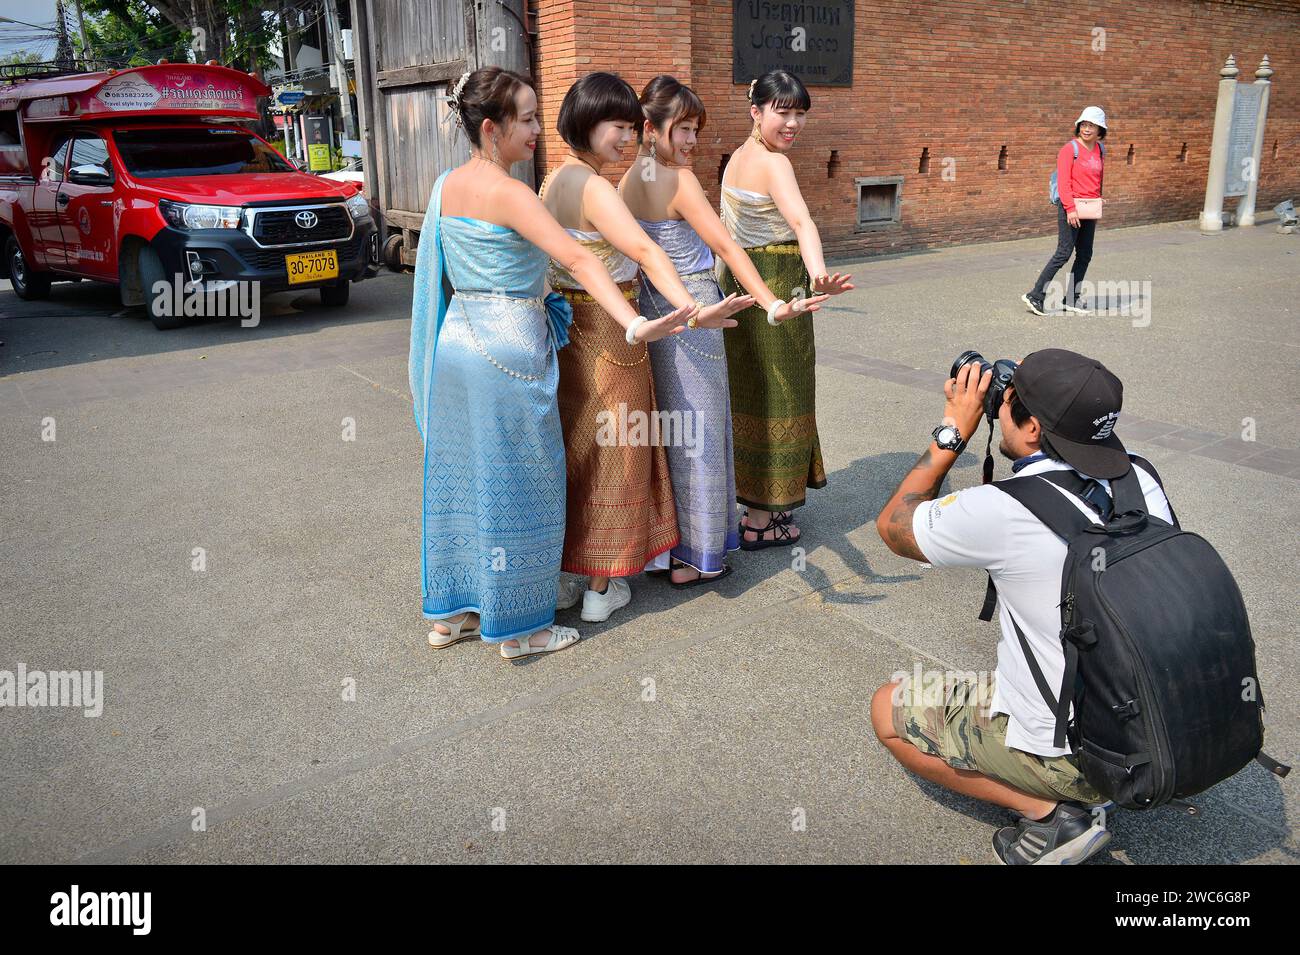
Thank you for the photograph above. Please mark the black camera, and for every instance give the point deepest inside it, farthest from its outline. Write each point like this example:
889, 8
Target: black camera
1003, 370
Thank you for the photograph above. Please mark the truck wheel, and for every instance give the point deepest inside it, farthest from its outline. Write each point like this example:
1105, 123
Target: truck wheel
393, 252
335, 296
27, 282
151, 272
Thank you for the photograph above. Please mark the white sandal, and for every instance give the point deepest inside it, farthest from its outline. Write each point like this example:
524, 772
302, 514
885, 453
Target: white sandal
441, 641
561, 637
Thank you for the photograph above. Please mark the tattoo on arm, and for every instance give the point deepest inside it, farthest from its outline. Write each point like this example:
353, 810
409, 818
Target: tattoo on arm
898, 530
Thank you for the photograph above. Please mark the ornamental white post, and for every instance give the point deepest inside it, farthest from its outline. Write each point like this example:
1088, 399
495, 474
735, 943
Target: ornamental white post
1246, 211
1212, 213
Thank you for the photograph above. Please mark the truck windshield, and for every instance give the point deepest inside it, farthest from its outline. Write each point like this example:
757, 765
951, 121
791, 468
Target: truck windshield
163, 153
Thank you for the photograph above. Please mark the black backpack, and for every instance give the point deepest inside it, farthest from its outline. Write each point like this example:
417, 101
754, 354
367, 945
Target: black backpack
1159, 659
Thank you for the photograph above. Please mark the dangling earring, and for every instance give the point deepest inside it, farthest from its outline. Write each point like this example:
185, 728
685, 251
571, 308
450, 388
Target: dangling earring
758, 136
654, 144
496, 153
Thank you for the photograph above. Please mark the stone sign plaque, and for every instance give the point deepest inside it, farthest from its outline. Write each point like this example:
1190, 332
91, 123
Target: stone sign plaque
1241, 139
814, 41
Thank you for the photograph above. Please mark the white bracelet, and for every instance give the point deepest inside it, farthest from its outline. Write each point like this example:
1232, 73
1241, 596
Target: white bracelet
631, 329
771, 310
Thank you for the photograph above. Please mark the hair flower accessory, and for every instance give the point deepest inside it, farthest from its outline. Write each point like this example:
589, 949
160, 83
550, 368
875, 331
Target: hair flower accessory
752, 84
453, 101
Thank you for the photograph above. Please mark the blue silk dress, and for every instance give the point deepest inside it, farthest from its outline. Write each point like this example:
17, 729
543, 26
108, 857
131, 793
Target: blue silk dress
484, 374
690, 374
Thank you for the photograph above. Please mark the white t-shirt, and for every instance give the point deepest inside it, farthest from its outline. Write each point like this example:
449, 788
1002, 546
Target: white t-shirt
985, 527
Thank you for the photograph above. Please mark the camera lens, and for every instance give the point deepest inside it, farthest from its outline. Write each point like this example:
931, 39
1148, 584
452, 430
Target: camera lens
1003, 370
964, 359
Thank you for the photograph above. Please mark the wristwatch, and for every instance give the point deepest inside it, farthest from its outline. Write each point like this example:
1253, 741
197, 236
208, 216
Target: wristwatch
949, 438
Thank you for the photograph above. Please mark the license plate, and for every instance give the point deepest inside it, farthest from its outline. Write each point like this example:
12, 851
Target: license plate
312, 266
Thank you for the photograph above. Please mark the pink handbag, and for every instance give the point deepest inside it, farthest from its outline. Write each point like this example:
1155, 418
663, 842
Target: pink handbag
1088, 208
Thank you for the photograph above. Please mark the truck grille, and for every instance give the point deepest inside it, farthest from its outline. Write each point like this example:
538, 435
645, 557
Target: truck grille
280, 226
268, 259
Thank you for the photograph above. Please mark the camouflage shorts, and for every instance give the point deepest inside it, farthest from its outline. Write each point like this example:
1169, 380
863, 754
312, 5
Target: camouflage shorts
960, 730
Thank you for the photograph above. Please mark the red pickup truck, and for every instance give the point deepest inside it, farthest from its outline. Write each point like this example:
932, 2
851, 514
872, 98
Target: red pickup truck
138, 176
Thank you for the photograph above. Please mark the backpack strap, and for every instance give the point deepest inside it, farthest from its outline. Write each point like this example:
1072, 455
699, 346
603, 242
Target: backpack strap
1068, 523
1129, 498
1087, 490
1150, 468
1271, 764
1060, 516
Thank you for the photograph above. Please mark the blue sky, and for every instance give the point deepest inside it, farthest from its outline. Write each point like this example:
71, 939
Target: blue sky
14, 37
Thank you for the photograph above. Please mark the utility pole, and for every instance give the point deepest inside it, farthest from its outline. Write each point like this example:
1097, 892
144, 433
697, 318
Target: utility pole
63, 56
340, 67
87, 51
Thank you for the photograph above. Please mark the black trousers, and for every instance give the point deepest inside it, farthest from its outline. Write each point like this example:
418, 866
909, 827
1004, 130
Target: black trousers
1069, 239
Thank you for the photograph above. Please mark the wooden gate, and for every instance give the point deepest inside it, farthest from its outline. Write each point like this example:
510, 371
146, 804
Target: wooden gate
410, 53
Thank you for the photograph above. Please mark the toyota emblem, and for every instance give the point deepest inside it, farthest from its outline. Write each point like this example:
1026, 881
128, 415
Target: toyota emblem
305, 220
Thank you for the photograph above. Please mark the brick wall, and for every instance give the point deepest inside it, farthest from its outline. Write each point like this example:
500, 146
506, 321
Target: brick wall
965, 78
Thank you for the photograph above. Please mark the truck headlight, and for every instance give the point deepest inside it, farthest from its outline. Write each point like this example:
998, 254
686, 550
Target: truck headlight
358, 207
185, 215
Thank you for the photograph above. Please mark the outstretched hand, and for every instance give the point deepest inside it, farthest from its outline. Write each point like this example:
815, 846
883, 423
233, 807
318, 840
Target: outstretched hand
719, 314
797, 307
833, 284
674, 323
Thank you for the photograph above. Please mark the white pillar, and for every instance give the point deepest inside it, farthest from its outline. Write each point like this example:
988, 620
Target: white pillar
1216, 182
1246, 211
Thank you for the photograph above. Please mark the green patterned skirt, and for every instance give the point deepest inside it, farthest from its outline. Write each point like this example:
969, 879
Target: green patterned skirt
773, 389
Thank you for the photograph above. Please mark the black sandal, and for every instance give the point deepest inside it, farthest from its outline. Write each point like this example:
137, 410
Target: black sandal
780, 530
701, 579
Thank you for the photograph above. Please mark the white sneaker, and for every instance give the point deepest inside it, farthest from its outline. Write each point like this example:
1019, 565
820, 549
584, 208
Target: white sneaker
570, 592
597, 607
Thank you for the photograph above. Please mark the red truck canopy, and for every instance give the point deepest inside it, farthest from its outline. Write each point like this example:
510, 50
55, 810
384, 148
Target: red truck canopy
167, 90
175, 89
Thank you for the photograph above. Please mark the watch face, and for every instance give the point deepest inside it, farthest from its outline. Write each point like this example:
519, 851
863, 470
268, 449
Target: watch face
947, 435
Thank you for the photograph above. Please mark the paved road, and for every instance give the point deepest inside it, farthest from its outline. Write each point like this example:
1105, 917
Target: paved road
224, 687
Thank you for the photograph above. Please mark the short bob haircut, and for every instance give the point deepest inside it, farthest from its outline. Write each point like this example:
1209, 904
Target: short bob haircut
666, 101
780, 90
1101, 130
594, 99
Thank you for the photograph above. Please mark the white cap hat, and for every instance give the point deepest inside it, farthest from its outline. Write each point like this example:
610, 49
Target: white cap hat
1093, 114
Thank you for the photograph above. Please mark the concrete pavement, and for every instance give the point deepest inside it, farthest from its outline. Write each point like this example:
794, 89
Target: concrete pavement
225, 687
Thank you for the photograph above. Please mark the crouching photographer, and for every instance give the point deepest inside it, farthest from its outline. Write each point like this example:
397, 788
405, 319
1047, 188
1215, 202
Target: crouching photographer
1056, 411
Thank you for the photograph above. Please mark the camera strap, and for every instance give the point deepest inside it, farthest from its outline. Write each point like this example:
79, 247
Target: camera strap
990, 592
988, 456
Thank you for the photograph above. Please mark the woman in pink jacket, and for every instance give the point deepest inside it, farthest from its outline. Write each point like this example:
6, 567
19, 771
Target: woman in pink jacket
1078, 176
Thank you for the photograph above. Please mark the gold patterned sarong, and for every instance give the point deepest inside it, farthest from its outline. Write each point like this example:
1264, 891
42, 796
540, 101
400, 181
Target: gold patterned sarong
773, 389
620, 511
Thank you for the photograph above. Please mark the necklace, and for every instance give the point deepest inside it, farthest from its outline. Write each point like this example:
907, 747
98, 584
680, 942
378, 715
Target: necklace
653, 156
594, 169
758, 138
490, 161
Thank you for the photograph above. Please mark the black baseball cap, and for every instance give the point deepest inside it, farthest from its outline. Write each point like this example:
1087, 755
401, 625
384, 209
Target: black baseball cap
1077, 402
